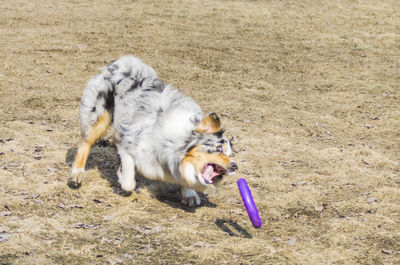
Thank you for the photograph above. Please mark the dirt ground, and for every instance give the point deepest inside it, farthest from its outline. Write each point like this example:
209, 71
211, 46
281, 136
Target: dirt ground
309, 91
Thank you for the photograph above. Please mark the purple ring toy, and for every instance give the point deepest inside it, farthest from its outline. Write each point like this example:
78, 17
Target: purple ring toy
249, 203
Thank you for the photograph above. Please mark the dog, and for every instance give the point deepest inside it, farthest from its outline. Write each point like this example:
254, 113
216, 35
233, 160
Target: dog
159, 132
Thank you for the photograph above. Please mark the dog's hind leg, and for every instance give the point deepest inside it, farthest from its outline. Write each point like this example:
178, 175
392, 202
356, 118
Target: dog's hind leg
96, 131
126, 171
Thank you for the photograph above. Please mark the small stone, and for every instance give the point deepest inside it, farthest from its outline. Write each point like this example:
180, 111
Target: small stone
387, 251
364, 161
117, 241
127, 256
108, 218
4, 237
372, 200
85, 226
5, 213
300, 183
276, 239
115, 261
27, 172
37, 157
202, 245
157, 229
52, 169
97, 201
291, 241
81, 46
151, 230
5, 139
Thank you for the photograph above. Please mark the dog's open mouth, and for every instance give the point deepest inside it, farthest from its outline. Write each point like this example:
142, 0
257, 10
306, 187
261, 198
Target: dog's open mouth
210, 171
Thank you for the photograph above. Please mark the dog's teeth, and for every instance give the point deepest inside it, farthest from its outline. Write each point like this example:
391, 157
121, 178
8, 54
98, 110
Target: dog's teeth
207, 174
209, 170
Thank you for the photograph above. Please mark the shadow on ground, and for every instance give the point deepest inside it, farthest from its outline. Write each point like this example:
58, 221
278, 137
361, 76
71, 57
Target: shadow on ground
232, 228
104, 157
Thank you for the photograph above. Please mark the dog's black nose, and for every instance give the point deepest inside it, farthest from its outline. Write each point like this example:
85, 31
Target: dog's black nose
233, 167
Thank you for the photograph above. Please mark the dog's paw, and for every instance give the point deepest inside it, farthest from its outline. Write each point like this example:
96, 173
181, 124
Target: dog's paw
190, 197
76, 177
128, 184
128, 187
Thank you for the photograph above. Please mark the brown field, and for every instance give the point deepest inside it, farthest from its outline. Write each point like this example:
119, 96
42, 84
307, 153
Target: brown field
308, 90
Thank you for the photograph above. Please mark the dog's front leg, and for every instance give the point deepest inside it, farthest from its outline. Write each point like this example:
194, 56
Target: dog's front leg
190, 197
126, 171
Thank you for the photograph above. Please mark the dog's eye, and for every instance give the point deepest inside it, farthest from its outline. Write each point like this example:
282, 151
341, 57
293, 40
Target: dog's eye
220, 149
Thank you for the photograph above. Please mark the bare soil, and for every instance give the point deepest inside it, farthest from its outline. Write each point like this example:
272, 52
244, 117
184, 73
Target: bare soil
309, 91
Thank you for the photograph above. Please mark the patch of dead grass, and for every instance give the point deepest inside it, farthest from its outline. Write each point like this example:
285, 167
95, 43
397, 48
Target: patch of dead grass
308, 90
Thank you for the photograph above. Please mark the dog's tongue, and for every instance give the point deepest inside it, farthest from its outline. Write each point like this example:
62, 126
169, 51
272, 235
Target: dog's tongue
209, 174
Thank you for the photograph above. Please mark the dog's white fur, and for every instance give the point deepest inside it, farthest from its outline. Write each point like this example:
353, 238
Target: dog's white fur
154, 126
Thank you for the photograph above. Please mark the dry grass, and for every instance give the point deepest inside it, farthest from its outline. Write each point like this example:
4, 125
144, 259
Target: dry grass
309, 90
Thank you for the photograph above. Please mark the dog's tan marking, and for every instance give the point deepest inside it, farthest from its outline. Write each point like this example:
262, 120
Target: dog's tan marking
199, 158
209, 124
97, 130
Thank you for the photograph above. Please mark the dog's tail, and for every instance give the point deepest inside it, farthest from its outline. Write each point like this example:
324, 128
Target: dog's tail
122, 76
97, 99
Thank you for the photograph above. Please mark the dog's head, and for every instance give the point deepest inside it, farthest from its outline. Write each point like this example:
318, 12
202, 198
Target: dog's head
207, 158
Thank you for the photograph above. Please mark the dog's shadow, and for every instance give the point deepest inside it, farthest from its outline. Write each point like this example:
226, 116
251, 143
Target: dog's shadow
104, 157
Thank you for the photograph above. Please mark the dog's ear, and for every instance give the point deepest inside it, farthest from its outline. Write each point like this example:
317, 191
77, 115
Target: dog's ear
210, 124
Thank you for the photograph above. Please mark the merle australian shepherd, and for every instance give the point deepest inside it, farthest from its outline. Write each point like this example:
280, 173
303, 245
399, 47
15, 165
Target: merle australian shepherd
158, 131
